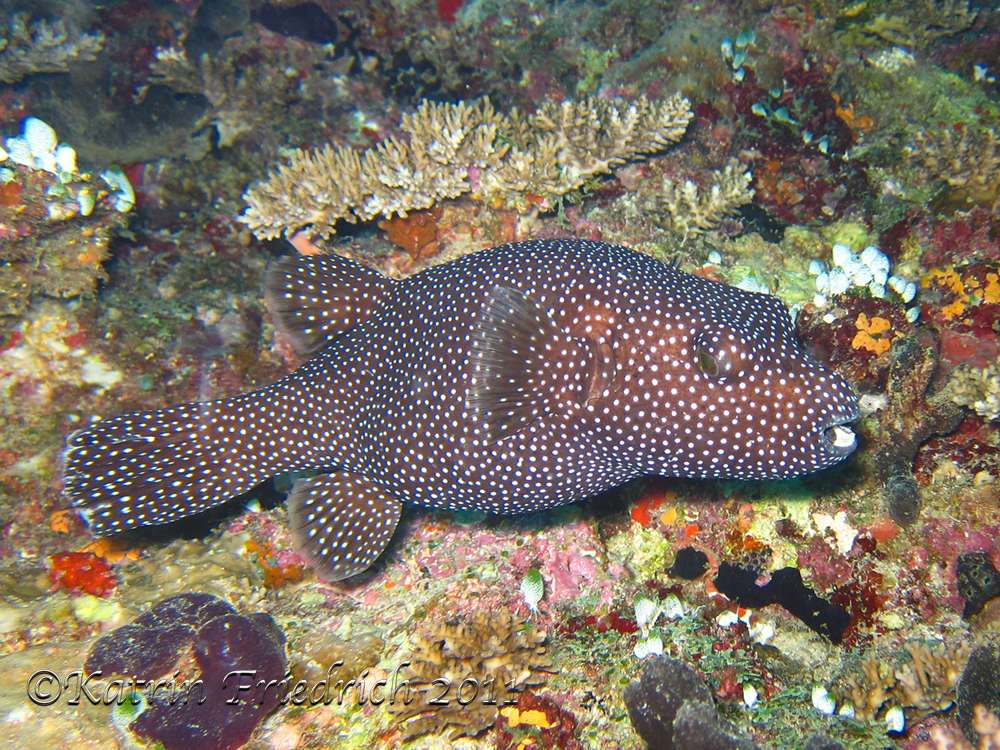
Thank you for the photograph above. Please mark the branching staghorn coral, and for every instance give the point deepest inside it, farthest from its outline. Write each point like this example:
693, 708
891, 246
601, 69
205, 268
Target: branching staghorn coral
927, 682
463, 673
42, 47
690, 210
868, 692
967, 160
447, 150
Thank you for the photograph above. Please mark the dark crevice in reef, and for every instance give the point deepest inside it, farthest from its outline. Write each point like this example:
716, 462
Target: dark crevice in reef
306, 21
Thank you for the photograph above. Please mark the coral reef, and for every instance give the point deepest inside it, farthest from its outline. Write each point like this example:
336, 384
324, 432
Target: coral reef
82, 572
56, 222
689, 564
417, 233
221, 708
923, 684
230, 92
28, 47
915, 24
790, 119
864, 135
856, 336
979, 686
978, 581
786, 588
901, 498
950, 737
537, 721
912, 415
447, 150
485, 661
233, 79
867, 270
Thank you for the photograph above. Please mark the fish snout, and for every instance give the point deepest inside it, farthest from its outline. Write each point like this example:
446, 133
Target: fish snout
840, 439
837, 433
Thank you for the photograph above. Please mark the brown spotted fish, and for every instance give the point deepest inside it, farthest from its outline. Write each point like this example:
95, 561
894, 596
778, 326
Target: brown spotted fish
514, 379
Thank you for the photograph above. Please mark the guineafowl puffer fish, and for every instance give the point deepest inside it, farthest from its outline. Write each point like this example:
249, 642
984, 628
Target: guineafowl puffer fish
511, 380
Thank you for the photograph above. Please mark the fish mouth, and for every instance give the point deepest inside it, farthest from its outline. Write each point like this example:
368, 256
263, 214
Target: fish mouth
839, 437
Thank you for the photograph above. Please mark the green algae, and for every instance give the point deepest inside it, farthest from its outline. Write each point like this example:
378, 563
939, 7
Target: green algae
782, 268
90, 609
905, 94
854, 234
788, 716
592, 63
646, 552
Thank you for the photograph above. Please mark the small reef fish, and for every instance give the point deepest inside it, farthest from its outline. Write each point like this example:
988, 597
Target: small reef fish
511, 380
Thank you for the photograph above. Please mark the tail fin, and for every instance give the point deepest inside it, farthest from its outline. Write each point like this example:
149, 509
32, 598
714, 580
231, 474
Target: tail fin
148, 468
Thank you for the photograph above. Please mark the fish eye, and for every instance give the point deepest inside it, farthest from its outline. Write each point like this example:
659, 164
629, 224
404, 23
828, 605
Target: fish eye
721, 353
707, 362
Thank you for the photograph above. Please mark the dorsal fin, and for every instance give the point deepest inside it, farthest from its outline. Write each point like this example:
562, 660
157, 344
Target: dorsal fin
315, 298
524, 365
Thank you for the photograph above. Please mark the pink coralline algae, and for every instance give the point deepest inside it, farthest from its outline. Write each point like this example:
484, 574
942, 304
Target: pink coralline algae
826, 567
949, 540
570, 562
230, 665
568, 555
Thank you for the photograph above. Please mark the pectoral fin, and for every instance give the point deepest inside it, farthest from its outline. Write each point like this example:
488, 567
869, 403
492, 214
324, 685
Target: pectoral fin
524, 365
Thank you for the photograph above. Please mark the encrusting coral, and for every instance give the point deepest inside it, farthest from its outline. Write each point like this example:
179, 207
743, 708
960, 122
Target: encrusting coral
446, 150
916, 24
966, 159
923, 685
463, 672
977, 388
690, 210
42, 47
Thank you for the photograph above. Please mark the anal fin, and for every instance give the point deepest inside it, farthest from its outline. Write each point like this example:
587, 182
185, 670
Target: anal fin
341, 522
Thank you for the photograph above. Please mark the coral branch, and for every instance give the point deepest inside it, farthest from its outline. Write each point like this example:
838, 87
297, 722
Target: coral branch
447, 150
690, 210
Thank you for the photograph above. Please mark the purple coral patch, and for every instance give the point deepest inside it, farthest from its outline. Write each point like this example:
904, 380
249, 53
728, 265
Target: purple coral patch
241, 659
